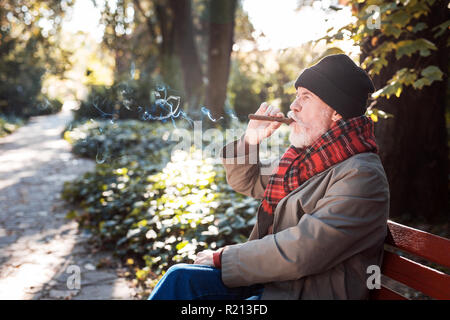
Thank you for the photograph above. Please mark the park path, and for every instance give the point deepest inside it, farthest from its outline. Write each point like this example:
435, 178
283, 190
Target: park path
41, 252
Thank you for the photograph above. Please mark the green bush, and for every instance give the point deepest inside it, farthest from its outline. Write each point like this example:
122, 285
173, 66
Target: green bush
122, 100
22, 100
154, 206
120, 141
19, 90
9, 125
103, 98
45, 106
21, 74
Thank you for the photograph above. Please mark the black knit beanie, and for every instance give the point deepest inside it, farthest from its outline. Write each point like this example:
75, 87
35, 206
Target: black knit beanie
340, 83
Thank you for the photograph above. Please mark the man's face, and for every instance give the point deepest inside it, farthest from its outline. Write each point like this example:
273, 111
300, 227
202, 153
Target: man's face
313, 118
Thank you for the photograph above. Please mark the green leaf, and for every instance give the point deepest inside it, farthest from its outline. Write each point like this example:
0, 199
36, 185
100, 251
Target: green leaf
181, 245
72, 214
226, 230
384, 115
405, 47
387, 90
392, 6
400, 18
133, 232
408, 47
121, 241
419, 84
430, 74
376, 64
433, 73
409, 78
110, 223
392, 30
419, 27
441, 28
384, 48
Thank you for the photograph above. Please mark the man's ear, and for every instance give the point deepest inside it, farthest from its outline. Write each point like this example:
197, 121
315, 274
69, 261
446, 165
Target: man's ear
336, 116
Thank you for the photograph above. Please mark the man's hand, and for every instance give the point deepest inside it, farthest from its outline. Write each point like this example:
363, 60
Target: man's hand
258, 130
205, 257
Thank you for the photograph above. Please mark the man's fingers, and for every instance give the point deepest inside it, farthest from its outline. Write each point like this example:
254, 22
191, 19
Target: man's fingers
274, 125
204, 257
203, 253
198, 260
262, 108
274, 112
268, 110
257, 130
279, 114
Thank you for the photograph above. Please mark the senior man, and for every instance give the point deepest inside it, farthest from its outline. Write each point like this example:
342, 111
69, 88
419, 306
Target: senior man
323, 215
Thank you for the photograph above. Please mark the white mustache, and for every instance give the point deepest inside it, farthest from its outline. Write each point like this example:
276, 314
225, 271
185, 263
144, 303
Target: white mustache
291, 115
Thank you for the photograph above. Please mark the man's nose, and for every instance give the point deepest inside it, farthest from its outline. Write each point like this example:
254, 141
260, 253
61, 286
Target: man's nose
295, 106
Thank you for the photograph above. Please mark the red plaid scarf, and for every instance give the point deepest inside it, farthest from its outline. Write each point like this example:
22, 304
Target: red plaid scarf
344, 139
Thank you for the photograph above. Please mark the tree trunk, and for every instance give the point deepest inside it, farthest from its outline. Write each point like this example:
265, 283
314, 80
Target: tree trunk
221, 30
413, 144
169, 63
187, 51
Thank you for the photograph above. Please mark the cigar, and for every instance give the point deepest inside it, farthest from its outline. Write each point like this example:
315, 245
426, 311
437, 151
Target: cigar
268, 118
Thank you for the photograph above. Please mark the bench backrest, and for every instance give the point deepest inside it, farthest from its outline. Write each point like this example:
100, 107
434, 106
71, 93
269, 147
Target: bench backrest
431, 282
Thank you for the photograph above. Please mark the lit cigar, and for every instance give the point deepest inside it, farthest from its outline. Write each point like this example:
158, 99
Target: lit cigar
268, 118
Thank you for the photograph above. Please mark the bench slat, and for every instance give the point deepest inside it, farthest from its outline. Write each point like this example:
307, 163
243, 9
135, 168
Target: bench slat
420, 243
429, 281
385, 294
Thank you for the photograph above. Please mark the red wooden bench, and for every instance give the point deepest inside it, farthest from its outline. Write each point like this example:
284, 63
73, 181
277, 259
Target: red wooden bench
429, 281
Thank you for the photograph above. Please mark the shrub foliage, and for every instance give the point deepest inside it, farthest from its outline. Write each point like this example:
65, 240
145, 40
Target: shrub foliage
153, 205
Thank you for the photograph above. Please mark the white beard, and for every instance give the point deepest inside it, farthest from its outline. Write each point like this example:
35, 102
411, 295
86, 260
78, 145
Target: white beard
301, 137
300, 140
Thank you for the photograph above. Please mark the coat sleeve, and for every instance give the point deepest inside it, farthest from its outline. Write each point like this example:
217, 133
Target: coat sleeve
350, 218
245, 172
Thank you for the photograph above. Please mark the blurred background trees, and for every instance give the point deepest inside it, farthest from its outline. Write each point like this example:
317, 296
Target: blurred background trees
185, 44
28, 51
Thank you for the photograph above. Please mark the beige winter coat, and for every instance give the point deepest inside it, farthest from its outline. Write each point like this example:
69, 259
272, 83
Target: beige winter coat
325, 233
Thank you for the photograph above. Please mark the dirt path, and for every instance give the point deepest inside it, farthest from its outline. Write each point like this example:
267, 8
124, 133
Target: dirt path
42, 254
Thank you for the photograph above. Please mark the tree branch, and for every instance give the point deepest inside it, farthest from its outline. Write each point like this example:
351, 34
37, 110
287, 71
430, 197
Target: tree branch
147, 19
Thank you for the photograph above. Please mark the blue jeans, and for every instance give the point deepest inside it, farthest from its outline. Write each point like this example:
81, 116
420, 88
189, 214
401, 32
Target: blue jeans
195, 281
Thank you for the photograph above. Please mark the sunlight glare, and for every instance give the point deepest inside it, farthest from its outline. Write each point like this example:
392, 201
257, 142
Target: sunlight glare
84, 17
284, 26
